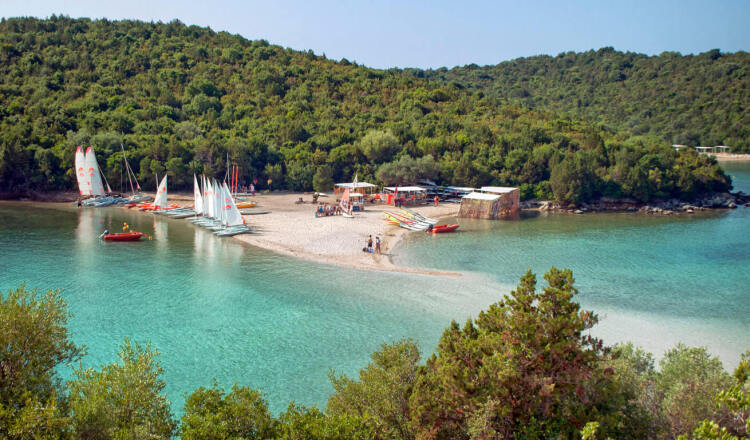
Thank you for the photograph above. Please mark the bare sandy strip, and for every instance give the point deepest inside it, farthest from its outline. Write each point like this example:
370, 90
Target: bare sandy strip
731, 157
292, 229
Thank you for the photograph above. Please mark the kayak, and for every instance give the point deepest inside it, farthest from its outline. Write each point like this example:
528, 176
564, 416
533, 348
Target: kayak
443, 228
123, 236
246, 205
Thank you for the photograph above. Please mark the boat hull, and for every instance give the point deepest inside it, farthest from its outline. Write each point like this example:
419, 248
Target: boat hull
123, 236
443, 228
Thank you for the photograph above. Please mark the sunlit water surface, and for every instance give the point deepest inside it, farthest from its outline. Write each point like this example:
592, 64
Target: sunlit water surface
216, 308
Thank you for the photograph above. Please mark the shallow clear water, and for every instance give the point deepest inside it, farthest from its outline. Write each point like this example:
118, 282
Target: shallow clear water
217, 308
655, 280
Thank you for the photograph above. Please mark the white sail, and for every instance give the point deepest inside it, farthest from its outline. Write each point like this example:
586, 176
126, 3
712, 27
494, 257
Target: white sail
84, 184
92, 169
220, 203
224, 203
217, 202
234, 218
209, 199
198, 199
160, 199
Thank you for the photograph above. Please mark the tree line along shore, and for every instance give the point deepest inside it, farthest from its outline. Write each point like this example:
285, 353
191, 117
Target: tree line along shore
183, 100
526, 367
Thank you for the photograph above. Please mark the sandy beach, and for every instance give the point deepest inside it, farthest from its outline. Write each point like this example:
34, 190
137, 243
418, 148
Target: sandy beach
292, 229
730, 157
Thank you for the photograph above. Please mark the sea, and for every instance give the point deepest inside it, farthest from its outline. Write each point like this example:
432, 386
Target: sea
217, 309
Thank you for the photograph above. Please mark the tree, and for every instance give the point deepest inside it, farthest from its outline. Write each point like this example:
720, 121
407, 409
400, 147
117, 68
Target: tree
210, 414
736, 400
688, 380
382, 391
522, 370
379, 146
408, 170
571, 178
124, 399
300, 423
35, 344
323, 178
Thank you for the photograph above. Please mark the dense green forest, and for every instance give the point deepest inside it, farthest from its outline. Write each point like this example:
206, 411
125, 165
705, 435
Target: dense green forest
181, 98
525, 368
691, 100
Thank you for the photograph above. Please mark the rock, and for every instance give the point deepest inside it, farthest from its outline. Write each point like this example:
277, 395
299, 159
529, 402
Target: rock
689, 211
732, 205
578, 211
667, 212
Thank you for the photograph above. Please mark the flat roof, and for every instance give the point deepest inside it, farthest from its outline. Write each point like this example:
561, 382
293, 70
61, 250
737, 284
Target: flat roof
356, 185
481, 196
498, 189
460, 188
404, 188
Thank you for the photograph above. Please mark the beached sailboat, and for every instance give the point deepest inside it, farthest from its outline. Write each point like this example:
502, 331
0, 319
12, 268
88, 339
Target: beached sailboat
160, 199
233, 222
197, 197
84, 185
346, 204
92, 170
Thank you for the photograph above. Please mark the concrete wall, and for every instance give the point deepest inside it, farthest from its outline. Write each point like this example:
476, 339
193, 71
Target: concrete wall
507, 206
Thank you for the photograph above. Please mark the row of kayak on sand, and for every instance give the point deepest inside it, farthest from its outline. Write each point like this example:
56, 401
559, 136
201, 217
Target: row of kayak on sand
415, 221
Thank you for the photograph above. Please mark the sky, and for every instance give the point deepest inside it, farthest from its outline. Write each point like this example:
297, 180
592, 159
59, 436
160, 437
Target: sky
437, 33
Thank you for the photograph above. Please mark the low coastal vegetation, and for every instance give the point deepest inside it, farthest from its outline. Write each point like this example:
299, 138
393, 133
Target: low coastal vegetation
182, 99
526, 367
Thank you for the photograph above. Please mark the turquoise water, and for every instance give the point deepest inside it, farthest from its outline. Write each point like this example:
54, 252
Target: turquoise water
217, 308
655, 280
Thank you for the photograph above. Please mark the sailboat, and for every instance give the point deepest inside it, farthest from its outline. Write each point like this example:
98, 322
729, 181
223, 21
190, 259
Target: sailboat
160, 199
135, 197
346, 204
187, 212
84, 185
88, 174
197, 197
92, 169
233, 222
211, 216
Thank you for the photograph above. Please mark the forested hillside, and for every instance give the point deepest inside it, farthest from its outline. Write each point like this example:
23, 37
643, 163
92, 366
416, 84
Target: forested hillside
180, 98
692, 100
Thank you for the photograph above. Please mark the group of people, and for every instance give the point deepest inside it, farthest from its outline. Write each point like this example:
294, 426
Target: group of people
247, 189
325, 209
368, 245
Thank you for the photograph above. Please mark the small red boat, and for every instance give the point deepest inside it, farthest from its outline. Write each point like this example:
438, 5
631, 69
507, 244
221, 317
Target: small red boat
443, 228
123, 236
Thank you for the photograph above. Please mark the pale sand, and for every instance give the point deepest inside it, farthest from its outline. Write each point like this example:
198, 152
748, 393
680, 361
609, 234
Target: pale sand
292, 229
729, 157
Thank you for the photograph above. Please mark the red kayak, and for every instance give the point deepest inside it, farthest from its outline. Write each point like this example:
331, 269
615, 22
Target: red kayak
443, 228
123, 236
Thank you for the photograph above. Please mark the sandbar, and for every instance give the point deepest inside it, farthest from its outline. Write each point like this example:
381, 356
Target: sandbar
292, 229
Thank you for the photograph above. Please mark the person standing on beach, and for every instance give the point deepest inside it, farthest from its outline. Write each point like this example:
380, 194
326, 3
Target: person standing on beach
437, 200
369, 243
377, 245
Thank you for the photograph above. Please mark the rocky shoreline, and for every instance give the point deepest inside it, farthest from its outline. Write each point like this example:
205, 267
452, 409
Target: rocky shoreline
661, 207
